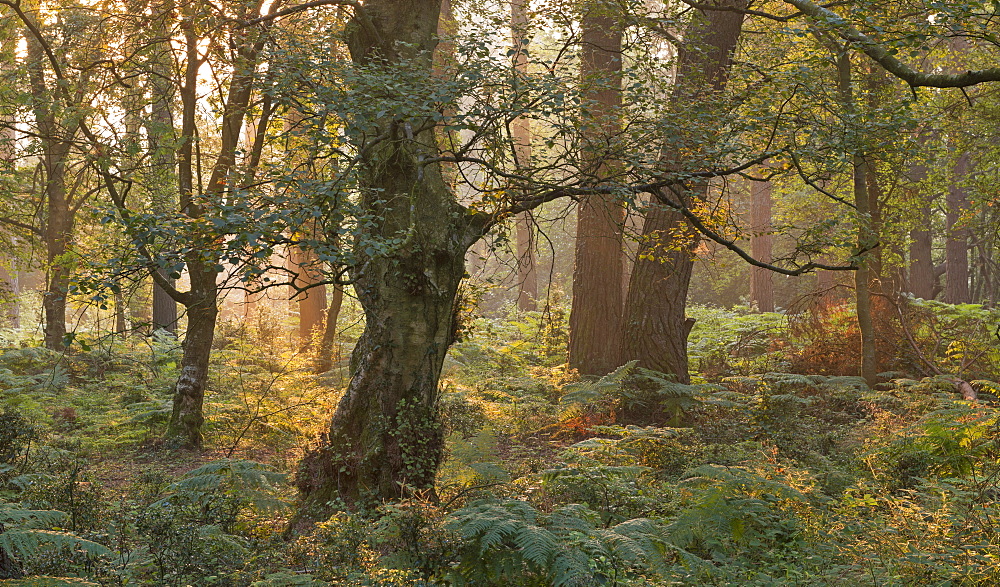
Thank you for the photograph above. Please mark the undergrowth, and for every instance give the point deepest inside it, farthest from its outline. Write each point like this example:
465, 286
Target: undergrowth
752, 475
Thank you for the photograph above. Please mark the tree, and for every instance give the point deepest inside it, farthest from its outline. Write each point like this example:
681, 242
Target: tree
656, 328
761, 288
595, 321
384, 439
527, 276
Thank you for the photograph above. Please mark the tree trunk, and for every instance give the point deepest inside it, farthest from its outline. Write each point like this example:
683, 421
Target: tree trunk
384, 440
656, 328
761, 242
324, 360
56, 143
595, 320
921, 278
310, 295
164, 308
956, 247
187, 416
865, 233
527, 276
160, 134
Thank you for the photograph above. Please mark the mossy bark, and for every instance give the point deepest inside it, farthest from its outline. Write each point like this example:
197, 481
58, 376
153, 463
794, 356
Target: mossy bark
384, 440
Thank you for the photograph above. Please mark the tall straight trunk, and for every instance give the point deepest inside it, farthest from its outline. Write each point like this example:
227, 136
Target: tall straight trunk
865, 233
527, 274
595, 320
656, 328
956, 246
921, 264
761, 243
309, 293
160, 133
921, 268
56, 142
384, 440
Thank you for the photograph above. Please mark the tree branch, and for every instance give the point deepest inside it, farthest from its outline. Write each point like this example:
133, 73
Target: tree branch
883, 57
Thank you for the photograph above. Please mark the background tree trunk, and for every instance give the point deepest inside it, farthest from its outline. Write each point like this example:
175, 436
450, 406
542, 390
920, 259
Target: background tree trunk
921, 274
761, 242
311, 295
527, 276
595, 320
956, 246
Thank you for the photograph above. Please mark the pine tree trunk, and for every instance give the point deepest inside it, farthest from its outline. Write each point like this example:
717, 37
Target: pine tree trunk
655, 325
527, 276
921, 275
865, 233
761, 242
164, 308
595, 321
655, 322
956, 247
310, 295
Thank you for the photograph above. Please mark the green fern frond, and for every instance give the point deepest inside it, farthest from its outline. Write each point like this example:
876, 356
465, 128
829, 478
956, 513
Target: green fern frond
15, 514
48, 582
29, 542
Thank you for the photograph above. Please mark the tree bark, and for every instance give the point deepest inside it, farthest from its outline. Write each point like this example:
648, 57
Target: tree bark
865, 231
384, 440
595, 321
761, 242
160, 131
311, 295
56, 143
656, 328
956, 247
921, 275
527, 275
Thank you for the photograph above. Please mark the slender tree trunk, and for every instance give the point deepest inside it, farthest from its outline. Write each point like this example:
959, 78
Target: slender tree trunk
325, 352
956, 247
595, 321
527, 276
656, 328
761, 242
921, 277
865, 234
58, 222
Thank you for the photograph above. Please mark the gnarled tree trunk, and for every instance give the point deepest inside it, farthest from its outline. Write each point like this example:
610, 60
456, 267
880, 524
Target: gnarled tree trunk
384, 440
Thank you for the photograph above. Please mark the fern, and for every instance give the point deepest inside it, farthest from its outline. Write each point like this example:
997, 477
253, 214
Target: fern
27, 543
589, 391
31, 536
49, 582
253, 484
510, 542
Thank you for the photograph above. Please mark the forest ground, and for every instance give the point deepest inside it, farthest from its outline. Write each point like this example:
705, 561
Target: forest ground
775, 467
